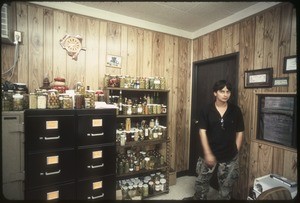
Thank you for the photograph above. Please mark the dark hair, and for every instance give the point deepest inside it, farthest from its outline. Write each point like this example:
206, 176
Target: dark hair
221, 84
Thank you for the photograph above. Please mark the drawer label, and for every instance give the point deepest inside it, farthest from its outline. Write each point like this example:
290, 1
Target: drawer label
51, 125
53, 195
52, 160
97, 185
97, 154
97, 122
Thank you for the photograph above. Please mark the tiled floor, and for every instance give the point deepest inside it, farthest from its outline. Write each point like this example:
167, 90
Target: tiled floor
184, 187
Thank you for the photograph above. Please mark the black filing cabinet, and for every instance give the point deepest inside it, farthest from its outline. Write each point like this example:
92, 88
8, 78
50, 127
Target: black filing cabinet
70, 154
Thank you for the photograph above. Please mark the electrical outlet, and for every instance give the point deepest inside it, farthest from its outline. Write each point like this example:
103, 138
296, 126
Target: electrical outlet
18, 36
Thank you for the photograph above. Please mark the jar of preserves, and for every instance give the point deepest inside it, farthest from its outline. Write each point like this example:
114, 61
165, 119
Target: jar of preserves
32, 100
163, 109
52, 99
41, 99
122, 81
151, 83
17, 102
7, 100
80, 88
156, 83
106, 80
162, 83
89, 99
67, 102
79, 101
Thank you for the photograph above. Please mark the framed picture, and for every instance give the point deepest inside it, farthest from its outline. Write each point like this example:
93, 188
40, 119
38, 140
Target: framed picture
276, 118
113, 61
290, 64
259, 78
281, 81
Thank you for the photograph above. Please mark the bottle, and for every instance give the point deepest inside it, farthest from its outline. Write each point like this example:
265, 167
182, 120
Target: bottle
120, 103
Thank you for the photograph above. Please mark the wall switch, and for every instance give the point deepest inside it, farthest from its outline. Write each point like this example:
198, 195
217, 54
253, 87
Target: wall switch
17, 36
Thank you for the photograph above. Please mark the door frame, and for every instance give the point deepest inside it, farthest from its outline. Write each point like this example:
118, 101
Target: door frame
192, 151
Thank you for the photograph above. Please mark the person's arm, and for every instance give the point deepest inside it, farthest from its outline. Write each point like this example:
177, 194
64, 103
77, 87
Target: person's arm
239, 140
209, 157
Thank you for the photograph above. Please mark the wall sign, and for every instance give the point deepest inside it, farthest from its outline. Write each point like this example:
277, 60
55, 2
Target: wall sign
281, 81
290, 64
259, 78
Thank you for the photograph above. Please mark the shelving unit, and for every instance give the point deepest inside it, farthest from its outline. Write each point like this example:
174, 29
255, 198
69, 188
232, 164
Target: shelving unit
159, 145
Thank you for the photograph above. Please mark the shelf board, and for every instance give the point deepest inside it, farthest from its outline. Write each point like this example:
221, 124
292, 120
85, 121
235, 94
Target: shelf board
141, 172
142, 143
141, 115
133, 89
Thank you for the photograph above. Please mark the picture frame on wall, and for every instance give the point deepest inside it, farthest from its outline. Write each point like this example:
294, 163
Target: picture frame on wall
290, 64
113, 61
281, 81
259, 78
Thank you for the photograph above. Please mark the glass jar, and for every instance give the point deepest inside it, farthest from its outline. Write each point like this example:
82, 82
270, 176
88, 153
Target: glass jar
67, 102
163, 109
52, 99
106, 80
163, 183
32, 100
7, 100
89, 100
162, 83
145, 190
79, 101
151, 83
122, 81
41, 99
80, 88
156, 83
17, 102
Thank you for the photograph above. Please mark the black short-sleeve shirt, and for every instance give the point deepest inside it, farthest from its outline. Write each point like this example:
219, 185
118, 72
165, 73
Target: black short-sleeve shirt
222, 140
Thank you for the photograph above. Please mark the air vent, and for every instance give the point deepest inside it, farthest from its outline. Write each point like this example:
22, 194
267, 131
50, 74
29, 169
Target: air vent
6, 26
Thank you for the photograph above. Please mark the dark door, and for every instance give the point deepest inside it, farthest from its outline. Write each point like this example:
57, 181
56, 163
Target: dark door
205, 74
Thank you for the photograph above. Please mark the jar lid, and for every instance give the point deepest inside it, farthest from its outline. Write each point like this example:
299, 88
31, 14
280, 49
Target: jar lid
18, 96
163, 180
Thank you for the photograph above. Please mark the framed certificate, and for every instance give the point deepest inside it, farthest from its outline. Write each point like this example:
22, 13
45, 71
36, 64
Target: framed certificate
259, 78
290, 64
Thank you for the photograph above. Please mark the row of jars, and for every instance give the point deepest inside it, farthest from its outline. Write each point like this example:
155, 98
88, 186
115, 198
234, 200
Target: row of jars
51, 99
14, 100
132, 161
141, 188
156, 83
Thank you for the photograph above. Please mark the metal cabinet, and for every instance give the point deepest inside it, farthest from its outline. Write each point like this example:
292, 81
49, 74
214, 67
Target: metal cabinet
13, 155
68, 154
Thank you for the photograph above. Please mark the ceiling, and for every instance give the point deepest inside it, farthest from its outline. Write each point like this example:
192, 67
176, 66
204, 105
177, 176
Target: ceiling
188, 16
188, 19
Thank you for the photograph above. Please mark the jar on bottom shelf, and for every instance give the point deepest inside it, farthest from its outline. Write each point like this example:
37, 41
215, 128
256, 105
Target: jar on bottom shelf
17, 102
163, 183
145, 190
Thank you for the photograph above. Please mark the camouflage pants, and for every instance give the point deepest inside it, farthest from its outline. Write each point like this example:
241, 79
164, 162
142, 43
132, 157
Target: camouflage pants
228, 173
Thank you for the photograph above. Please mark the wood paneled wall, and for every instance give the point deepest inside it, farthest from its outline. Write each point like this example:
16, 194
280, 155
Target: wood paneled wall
262, 41
144, 53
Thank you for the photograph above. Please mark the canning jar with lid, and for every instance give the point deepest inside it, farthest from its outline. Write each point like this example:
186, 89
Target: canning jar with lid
41, 99
7, 100
52, 99
17, 102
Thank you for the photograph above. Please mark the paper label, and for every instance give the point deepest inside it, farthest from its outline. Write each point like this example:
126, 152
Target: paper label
97, 185
97, 154
97, 123
51, 125
52, 160
53, 195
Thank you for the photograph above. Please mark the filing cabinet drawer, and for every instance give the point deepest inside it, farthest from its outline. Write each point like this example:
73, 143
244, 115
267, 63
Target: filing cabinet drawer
48, 132
96, 161
96, 129
50, 168
102, 188
56, 192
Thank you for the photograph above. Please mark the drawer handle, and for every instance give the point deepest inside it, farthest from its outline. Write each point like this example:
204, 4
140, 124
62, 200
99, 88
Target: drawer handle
95, 134
52, 138
97, 197
97, 166
52, 173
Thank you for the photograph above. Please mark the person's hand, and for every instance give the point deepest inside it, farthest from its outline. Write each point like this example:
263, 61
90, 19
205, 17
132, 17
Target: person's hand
210, 160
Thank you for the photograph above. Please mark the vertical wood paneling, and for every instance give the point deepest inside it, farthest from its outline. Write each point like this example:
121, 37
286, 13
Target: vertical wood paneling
206, 48
76, 25
140, 53
36, 46
147, 50
92, 53
265, 153
102, 52
259, 38
278, 157
124, 49
158, 54
132, 52
59, 54
290, 165
113, 38
48, 43
22, 24
236, 37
